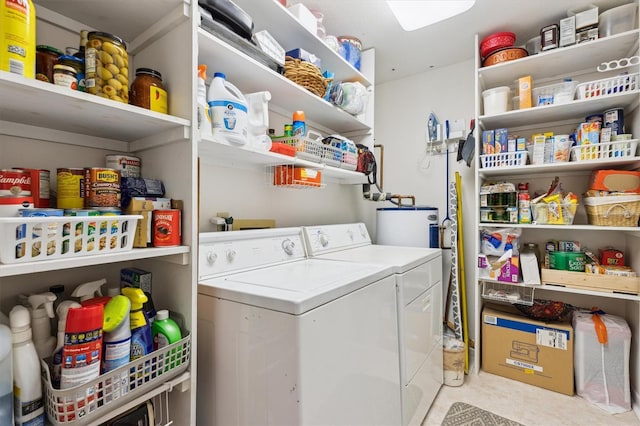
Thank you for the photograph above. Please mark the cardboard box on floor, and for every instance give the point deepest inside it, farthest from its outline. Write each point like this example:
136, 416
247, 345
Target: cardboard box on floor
526, 350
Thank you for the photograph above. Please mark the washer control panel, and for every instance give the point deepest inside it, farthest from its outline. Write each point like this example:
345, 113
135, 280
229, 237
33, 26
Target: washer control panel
226, 252
323, 239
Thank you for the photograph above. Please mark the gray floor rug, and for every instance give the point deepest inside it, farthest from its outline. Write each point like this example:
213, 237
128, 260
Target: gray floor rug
461, 414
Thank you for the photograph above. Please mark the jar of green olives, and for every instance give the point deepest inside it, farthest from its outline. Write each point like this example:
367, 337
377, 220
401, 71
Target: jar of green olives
107, 66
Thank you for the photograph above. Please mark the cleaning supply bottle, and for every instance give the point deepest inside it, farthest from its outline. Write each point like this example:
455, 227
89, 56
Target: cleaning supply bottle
89, 290
228, 108
18, 37
299, 124
117, 333
6, 376
27, 384
41, 314
149, 308
61, 311
164, 330
82, 349
141, 340
258, 120
204, 114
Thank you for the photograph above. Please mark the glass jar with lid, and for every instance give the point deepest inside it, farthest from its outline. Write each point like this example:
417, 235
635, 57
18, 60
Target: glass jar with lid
107, 66
78, 65
46, 58
147, 90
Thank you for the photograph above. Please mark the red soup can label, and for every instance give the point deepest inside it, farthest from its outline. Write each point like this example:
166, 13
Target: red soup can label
15, 182
40, 186
166, 228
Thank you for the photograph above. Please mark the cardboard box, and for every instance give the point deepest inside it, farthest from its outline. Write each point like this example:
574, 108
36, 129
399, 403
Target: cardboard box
568, 31
505, 268
135, 277
501, 140
142, 236
287, 175
148, 203
488, 137
611, 257
524, 91
615, 181
526, 350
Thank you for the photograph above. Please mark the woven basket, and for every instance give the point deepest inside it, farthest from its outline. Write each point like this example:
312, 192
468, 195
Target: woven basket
306, 75
613, 211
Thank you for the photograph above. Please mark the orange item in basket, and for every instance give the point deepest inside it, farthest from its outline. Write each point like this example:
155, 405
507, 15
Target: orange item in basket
287, 175
615, 181
283, 148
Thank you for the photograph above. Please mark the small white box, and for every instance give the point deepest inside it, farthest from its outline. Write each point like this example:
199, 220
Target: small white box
587, 18
305, 17
568, 31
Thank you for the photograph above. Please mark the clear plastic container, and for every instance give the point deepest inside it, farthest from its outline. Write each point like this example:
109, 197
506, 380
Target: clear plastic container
618, 20
554, 94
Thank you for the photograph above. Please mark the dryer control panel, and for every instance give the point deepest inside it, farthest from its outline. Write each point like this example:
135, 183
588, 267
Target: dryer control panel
225, 252
324, 239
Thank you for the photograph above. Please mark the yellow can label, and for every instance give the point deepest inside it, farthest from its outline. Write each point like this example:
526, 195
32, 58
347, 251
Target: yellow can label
158, 99
18, 37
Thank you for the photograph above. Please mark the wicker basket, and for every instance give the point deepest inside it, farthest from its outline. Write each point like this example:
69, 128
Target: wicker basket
306, 75
622, 210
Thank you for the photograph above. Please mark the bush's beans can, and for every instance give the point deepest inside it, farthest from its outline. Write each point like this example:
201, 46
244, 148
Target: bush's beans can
101, 187
15, 182
166, 228
127, 165
40, 186
70, 188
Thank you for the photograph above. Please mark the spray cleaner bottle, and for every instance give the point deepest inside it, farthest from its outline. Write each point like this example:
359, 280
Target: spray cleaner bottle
27, 384
41, 314
141, 340
61, 311
89, 290
228, 111
204, 114
117, 333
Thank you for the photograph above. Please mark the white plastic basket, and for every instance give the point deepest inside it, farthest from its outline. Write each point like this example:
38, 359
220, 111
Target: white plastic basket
27, 239
605, 150
504, 159
270, 46
332, 156
307, 148
83, 404
554, 94
608, 86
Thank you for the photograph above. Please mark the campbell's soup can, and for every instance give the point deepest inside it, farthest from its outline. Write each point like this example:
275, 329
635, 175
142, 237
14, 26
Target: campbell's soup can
15, 182
10, 205
70, 188
127, 165
101, 187
166, 229
40, 186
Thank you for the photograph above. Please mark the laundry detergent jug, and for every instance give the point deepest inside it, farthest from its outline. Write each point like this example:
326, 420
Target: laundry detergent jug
228, 108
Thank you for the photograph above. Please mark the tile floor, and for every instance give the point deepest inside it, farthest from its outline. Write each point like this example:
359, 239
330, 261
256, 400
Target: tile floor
526, 404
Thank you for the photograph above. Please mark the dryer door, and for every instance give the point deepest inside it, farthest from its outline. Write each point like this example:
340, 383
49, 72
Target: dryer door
418, 341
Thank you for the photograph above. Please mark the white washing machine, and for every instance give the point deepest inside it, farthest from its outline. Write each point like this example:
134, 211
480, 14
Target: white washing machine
418, 275
286, 340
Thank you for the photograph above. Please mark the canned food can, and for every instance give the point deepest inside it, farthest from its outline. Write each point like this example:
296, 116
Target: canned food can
15, 182
70, 188
40, 186
109, 211
81, 212
166, 228
614, 119
128, 166
107, 66
10, 205
101, 187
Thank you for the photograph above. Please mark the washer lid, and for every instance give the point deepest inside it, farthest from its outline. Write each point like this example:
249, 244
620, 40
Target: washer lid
405, 208
295, 287
400, 259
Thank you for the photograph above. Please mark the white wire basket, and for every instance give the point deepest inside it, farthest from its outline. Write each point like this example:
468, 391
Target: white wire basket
504, 159
290, 176
608, 86
28, 239
605, 150
306, 147
85, 403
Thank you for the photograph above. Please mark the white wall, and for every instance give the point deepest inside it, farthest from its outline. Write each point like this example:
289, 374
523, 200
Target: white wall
402, 108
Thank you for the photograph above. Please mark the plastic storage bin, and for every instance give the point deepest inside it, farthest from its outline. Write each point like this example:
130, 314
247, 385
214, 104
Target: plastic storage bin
27, 239
505, 159
553, 214
496, 100
554, 94
618, 20
608, 86
602, 371
605, 150
306, 147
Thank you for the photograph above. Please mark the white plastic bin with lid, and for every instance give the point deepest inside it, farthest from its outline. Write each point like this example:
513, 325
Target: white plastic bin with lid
602, 370
618, 20
496, 100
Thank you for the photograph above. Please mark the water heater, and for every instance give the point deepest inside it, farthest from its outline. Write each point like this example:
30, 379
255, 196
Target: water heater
411, 226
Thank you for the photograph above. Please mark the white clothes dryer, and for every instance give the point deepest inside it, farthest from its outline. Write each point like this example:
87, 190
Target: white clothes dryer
418, 275
286, 340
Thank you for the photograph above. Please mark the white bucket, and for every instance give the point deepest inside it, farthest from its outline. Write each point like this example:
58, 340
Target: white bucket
228, 108
496, 100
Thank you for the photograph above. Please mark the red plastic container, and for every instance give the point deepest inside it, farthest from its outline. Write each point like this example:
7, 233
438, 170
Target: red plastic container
496, 41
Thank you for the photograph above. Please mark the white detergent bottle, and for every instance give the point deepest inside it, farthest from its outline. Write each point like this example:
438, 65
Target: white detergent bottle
228, 108
6, 377
258, 120
27, 384
41, 314
204, 115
